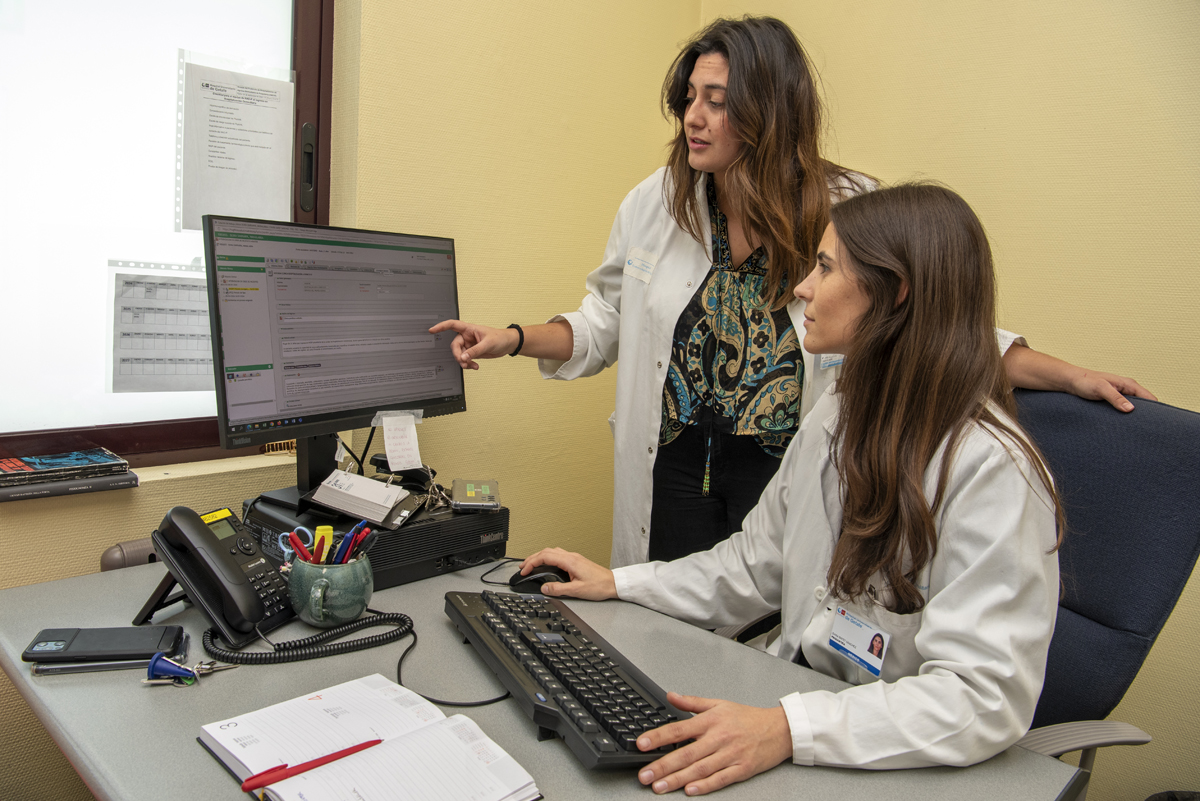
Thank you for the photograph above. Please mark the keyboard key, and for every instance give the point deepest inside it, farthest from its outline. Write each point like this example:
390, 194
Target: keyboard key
604, 744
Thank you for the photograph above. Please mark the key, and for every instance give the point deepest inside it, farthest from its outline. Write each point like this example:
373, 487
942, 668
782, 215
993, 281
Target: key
178, 681
205, 668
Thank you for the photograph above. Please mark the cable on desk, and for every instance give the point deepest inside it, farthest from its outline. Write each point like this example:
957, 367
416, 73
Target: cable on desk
318, 645
399, 664
506, 560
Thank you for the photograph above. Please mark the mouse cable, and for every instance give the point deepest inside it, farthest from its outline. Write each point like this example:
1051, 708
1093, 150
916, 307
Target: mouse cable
400, 664
504, 560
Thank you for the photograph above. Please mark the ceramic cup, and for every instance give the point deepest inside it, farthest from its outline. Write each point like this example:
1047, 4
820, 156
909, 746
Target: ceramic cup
330, 595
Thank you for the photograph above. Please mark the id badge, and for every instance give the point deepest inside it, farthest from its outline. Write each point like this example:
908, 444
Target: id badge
859, 641
640, 264
831, 360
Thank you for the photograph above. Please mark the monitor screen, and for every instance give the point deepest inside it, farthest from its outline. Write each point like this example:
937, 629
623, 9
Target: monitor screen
315, 329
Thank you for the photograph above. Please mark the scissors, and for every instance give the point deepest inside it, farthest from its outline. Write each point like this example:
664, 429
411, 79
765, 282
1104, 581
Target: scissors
305, 536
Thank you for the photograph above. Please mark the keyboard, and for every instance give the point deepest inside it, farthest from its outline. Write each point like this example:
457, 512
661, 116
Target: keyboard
565, 677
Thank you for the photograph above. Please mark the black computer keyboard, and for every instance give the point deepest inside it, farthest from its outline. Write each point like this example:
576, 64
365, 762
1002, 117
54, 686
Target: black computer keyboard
564, 676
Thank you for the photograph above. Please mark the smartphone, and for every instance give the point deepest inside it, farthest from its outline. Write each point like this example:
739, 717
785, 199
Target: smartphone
102, 645
475, 496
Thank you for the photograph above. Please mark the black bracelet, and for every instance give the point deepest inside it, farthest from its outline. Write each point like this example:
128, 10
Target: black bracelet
520, 342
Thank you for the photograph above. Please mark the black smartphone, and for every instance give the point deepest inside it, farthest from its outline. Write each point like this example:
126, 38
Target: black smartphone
102, 645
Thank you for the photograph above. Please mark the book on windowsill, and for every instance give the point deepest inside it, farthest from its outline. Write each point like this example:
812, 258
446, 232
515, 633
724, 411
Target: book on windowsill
76, 486
85, 463
424, 756
359, 496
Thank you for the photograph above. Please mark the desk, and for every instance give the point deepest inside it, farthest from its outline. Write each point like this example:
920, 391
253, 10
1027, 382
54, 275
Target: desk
131, 742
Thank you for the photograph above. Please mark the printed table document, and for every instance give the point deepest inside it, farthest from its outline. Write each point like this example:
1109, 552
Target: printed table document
424, 755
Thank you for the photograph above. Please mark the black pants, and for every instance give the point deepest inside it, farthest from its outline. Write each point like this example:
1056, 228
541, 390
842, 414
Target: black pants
683, 520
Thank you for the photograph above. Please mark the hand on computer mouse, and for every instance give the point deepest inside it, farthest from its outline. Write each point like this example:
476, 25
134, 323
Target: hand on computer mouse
589, 580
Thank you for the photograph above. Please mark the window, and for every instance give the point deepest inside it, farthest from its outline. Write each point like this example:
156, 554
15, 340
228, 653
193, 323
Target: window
108, 342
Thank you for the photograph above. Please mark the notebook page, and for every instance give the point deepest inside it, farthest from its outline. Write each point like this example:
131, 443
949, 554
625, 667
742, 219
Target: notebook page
451, 759
305, 728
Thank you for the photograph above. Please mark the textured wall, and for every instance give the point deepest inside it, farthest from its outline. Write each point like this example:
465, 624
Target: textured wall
516, 129
1071, 127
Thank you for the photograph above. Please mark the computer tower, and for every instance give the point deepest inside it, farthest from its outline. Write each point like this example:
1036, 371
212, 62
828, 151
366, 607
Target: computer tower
430, 544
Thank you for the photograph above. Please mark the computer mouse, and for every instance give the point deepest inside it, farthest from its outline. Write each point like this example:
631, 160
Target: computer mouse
532, 584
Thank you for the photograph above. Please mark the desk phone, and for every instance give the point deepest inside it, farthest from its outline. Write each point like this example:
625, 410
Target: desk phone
223, 571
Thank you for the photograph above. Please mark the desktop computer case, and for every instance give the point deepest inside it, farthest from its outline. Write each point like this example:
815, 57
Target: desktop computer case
430, 544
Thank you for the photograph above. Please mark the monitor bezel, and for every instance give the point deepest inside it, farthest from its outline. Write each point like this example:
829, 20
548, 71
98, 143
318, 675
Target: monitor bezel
329, 422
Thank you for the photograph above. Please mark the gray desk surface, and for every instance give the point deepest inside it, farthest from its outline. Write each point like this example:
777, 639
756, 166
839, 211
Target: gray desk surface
129, 741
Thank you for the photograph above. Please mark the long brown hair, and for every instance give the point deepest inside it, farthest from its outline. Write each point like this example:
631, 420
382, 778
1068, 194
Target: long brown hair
778, 185
918, 373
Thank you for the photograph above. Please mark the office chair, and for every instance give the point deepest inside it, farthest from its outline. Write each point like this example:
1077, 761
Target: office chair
1130, 486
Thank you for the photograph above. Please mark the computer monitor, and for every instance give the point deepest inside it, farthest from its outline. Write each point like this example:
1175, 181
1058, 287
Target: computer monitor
315, 329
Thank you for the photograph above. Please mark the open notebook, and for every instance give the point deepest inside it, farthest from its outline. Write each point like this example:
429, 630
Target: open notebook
424, 755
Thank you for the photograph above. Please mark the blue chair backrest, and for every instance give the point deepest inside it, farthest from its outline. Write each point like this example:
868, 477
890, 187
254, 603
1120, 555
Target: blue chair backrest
1130, 485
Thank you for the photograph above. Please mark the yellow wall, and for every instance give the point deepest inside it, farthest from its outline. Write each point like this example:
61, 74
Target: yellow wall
517, 129
1071, 127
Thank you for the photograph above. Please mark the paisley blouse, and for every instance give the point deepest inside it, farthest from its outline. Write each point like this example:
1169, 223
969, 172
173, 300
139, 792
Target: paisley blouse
734, 363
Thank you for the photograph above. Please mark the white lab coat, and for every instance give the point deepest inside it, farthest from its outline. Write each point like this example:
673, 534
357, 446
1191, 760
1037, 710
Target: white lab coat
651, 269
961, 678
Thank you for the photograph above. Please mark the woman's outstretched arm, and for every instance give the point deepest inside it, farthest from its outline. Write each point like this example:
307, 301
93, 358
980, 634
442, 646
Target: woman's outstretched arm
1029, 369
547, 341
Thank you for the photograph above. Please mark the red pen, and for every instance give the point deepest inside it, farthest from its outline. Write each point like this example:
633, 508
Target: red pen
278, 774
316, 555
298, 547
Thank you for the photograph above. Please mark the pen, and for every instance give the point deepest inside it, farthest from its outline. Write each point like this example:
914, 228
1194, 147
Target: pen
349, 541
278, 774
344, 549
359, 537
298, 547
367, 542
42, 669
324, 542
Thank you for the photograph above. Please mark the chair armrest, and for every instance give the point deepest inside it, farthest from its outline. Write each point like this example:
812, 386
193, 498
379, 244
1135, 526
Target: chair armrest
127, 554
1060, 738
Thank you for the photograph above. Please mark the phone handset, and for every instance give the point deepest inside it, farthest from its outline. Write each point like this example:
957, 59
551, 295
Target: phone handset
184, 529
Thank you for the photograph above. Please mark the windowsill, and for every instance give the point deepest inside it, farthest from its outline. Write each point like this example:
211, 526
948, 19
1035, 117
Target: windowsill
235, 464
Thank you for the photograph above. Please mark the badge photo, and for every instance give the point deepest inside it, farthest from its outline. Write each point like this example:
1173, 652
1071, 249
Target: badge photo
859, 641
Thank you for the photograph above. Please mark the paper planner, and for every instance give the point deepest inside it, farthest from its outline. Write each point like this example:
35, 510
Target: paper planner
425, 755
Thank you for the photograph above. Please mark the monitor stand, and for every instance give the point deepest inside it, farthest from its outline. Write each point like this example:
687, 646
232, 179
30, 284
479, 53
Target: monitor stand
316, 458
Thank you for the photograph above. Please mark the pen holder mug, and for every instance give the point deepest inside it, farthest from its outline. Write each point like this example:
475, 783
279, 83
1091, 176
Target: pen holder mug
330, 595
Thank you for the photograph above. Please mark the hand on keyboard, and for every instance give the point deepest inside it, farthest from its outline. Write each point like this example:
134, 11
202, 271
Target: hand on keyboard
589, 581
732, 743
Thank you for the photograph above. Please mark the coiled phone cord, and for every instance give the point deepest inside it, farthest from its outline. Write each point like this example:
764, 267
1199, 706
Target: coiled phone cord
313, 647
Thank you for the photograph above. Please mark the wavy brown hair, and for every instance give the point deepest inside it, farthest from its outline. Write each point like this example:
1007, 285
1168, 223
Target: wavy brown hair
779, 185
918, 373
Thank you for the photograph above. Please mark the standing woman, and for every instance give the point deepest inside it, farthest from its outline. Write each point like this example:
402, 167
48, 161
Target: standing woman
694, 295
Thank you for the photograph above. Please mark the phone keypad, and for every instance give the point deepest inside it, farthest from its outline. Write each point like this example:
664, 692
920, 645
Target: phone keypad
271, 589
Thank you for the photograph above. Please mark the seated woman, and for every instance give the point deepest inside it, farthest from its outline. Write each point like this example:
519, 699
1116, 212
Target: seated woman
909, 538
